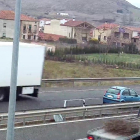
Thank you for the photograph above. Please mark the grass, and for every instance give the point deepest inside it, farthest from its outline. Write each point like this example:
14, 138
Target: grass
128, 58
55, 70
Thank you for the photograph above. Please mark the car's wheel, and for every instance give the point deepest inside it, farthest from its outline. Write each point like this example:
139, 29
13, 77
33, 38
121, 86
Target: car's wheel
2, 95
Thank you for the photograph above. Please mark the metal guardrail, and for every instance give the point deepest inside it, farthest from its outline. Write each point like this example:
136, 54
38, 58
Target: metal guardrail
46, 116
98, 80
91, 79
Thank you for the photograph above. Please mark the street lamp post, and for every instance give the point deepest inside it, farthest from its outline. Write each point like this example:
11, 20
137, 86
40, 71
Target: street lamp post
14, 70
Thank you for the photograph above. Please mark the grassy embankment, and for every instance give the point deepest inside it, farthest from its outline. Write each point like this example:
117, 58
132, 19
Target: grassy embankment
54, 69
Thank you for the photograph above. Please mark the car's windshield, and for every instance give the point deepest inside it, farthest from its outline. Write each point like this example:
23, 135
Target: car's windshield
113, 91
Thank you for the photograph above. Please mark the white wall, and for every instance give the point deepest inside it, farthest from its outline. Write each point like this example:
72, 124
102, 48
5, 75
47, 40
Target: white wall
56, 28
42, 23
9, 30
134, 34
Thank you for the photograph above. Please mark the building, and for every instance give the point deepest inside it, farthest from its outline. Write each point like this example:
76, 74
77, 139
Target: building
42, 23
103, 31
120, 36
73, 29
29, 26
63, 14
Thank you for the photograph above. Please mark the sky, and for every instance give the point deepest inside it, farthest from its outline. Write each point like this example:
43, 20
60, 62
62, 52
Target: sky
135, 2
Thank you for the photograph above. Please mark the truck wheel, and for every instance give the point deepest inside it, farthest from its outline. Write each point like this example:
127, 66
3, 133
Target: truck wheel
2, 95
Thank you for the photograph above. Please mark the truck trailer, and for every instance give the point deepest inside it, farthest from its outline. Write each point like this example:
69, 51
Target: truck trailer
30, 69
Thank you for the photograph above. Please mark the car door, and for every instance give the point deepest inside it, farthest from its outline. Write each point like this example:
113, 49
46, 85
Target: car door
134, 96
126, 95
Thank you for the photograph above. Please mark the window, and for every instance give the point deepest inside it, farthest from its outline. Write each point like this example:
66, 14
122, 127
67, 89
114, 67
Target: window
126, 93
118, 44
4, 34
29, 37
126, 35
105, 37
135, 40
117, 34
99, 38
84, 38
69, 34
113, 91
34, 37
133, 93
24, 29
30, 28
114, 44
74, 35
4, 25
23, 36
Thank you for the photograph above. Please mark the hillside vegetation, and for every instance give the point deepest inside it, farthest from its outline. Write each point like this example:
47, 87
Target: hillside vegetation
89, 9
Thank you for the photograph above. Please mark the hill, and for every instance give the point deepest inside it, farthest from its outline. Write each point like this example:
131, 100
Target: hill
93, 10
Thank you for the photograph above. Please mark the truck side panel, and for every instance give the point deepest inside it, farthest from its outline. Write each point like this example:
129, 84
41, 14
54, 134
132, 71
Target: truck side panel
30, 65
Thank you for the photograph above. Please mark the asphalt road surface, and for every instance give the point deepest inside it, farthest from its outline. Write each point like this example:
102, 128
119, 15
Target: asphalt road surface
62, 131
54, 98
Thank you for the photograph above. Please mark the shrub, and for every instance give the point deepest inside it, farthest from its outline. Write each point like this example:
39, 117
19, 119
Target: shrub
93, 41
121, 127
68, 40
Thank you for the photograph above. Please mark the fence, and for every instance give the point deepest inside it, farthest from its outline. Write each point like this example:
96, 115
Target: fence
47, 116
86, 80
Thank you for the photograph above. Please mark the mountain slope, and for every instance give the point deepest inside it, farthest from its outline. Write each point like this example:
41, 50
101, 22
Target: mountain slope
93, 9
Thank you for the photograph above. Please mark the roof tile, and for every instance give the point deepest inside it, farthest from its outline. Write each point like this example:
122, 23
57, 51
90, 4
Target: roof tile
107, 26
50, 37
133, 29
10, 15
72, 23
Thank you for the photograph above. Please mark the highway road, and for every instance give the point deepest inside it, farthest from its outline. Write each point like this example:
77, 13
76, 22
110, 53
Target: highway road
54, 98
62, 131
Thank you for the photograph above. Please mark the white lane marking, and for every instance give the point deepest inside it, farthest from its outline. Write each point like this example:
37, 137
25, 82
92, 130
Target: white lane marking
82, 139
75, 121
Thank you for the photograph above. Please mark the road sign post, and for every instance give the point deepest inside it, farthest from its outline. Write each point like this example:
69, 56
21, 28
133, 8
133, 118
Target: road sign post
14, 70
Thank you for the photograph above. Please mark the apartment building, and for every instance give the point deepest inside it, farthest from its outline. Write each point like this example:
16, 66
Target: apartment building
29, 26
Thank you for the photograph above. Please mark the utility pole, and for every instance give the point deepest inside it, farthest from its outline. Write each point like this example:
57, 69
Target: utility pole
14, 71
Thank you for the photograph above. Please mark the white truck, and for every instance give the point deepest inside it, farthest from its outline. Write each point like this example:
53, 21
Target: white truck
30, 69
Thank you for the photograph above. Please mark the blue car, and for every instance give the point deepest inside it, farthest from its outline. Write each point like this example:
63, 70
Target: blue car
118, 94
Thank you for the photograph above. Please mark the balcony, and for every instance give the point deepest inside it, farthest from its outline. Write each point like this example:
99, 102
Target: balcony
35, 31
24, 31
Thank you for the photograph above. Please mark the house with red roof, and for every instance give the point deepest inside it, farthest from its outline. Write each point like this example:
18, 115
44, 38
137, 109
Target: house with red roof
103, 32
79, 30
29, 26
123, 35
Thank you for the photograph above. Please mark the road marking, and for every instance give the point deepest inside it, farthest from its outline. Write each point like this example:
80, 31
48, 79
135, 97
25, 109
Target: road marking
82, 139
75, 121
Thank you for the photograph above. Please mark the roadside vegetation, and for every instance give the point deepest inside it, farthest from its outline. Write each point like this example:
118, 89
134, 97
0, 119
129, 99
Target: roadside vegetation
56, 70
